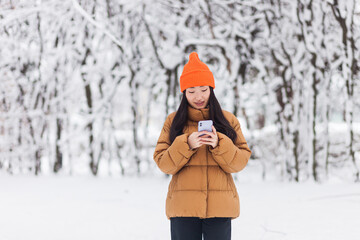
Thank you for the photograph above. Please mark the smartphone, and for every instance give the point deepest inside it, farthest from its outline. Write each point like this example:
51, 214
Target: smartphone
205, 125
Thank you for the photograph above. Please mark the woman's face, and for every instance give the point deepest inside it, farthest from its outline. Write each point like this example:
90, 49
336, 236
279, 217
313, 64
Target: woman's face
198, 97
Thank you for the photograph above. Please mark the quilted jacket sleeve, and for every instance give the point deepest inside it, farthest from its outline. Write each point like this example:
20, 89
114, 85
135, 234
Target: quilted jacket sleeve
231, 157
170, 158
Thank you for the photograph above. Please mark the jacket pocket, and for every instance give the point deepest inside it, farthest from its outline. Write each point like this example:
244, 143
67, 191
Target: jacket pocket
232, 184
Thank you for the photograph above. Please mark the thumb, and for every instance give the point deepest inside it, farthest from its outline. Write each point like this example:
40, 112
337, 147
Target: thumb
213, 128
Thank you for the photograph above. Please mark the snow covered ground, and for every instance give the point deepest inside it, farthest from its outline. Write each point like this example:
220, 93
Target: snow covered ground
109, 208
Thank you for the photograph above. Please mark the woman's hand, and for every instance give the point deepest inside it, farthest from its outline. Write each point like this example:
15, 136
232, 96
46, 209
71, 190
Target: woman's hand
208, 138
194, 140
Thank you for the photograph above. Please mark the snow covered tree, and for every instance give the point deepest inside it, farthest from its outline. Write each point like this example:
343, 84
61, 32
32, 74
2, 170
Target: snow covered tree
86, 85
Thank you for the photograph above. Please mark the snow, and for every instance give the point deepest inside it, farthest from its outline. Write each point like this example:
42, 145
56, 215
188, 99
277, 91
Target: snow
44, 56
84, 207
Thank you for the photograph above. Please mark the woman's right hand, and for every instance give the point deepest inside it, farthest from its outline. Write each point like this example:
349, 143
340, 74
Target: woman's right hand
194, 140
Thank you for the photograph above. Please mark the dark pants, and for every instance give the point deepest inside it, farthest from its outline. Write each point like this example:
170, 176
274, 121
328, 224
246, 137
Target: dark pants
192, 228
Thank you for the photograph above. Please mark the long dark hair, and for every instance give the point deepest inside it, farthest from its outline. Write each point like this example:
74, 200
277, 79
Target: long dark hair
216, 115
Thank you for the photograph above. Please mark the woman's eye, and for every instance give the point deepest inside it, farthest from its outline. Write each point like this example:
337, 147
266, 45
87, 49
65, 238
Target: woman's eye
204, 90
190, 92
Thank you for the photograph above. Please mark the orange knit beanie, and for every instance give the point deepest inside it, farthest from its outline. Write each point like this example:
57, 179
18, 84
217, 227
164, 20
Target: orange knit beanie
196, 73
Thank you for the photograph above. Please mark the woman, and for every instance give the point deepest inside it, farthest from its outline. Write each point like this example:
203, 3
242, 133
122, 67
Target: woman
202, 197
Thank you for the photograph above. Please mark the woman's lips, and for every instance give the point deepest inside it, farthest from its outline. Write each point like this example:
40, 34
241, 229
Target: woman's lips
199, 104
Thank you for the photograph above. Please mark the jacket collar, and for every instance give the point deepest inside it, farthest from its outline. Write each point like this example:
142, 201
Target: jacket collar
198, 114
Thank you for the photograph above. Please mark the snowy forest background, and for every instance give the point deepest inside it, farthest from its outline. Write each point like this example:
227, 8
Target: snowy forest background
85, 85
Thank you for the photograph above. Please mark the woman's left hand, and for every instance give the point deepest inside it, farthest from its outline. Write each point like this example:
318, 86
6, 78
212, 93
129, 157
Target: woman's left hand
210, 138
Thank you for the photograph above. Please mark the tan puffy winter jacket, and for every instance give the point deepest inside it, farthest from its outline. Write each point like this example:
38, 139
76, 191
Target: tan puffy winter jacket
201, 184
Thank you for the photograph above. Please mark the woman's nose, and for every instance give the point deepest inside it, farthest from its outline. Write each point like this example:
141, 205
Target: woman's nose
198, 96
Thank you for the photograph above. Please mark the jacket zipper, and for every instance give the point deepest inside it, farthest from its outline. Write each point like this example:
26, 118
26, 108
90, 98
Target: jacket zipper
207, 182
